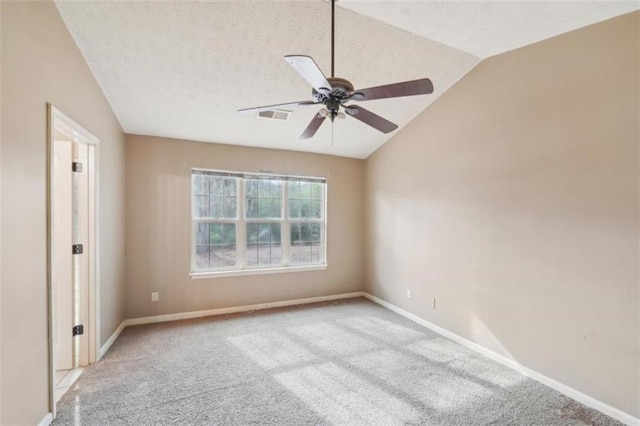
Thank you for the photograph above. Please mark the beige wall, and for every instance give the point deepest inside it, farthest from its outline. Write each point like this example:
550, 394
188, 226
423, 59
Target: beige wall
40, 64
514, 201
158, 227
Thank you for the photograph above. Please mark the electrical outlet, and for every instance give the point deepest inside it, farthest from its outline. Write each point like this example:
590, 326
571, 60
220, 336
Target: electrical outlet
432, 302
155, 296
408, 293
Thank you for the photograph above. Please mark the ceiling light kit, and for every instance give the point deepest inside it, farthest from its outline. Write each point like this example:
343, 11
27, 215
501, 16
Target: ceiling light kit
335, 92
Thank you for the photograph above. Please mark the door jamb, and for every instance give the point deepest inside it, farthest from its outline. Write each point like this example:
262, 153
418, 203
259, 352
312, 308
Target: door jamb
56, 119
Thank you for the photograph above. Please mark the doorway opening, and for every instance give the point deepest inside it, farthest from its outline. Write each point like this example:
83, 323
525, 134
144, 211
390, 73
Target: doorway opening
72, 256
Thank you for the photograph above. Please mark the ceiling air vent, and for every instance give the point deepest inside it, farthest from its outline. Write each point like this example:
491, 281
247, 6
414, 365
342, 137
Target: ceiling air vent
276, 114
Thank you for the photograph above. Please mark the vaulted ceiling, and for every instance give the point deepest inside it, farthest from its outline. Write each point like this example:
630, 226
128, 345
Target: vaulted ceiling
183, 69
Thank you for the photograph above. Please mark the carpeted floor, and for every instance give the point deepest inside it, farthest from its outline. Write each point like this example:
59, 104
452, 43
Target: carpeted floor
349, 362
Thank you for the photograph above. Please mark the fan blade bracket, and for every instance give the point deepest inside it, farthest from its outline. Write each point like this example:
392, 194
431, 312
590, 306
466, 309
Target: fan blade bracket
349, 110
356, 96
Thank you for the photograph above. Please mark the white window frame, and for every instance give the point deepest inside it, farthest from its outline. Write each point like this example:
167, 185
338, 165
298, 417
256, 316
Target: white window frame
241, 267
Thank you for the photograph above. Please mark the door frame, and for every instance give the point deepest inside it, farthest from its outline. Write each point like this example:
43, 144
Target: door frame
57, 120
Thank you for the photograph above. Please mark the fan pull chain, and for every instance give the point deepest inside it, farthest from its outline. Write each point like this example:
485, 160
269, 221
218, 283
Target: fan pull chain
332, 135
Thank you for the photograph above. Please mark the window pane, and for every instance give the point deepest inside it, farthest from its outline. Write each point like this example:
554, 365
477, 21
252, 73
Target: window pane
200, 206
216, 253
252, 254
230, 209
264, 254
215, 185
294, 190
276, 208
264, 244
264, 208
263, 199
305, 232
252, 233
305, 190
264, 188
276, 188
215, 246
230, 187
215, 233
310, 232
200, 185
202, 258
316, 191
215, 207
305, 243
315, 253
229, 233
305, 209
202, 233
264, 233
300, 253
251, 188
316, 209
276, 254
295, 232
294, 208
251, 207
276, 233
229, 254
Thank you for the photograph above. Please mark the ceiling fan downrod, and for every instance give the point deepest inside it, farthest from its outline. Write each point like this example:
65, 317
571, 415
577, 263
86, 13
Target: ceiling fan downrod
333, 31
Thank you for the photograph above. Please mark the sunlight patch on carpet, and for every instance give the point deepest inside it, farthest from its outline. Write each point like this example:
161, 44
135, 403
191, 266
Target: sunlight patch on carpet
342, 397
271, 350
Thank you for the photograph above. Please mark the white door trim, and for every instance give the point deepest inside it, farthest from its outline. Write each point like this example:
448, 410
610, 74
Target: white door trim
58, 121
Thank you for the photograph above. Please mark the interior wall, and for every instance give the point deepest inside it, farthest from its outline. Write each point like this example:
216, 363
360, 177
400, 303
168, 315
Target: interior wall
158, 227
513, 200
41, 64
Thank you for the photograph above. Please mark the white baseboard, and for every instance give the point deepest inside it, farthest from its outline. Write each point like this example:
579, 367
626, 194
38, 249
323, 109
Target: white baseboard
562, 388
108, 343
237, 309
46, 420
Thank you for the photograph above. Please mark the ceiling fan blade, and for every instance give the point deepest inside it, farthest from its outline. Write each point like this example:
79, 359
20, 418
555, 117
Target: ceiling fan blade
373, 120
277, 106
396, 90
313, 127
310, 71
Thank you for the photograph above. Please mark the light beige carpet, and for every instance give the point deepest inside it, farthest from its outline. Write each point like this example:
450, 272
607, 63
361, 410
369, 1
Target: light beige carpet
344, 363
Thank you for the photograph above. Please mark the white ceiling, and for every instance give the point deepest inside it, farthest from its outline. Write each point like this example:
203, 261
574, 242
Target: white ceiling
182, 69
488, 28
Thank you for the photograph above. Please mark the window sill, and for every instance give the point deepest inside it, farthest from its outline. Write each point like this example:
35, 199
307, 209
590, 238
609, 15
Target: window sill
262, 271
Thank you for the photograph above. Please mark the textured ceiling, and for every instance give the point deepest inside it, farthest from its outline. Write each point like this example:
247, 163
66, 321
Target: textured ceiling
487, 28
182, 69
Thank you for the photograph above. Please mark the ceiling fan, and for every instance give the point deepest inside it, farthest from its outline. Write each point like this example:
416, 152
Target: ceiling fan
334, 92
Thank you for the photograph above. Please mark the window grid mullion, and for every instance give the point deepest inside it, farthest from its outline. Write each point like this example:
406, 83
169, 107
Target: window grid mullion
241, 230
285, 232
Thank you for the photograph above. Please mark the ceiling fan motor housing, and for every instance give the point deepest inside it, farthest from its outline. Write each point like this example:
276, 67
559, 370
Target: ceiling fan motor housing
342, 89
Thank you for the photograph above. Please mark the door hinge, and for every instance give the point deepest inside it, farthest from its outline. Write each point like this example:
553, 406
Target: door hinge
76, 166
77, 249
78, 329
